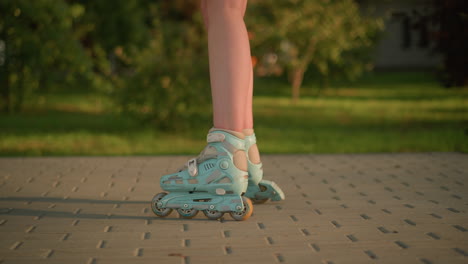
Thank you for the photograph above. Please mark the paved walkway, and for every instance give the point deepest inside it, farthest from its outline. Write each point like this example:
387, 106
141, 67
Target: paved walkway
382, 208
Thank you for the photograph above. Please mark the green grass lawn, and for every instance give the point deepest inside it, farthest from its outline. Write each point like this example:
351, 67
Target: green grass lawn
383, 112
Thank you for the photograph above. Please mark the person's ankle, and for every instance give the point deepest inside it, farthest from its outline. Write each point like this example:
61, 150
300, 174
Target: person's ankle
248, 131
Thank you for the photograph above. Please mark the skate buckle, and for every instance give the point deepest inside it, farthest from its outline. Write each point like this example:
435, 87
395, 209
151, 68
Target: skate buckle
192, 167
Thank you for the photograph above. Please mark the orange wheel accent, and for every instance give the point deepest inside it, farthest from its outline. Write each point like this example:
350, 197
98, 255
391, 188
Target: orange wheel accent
246, 213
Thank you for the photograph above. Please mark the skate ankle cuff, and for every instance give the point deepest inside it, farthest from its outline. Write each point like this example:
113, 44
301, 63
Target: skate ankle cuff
215, 137
250, 140
232, 132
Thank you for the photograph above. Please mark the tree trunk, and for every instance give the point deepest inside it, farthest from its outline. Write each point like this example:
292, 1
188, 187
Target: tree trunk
5, 100
297, 72
17, 103
297, 75
4, 91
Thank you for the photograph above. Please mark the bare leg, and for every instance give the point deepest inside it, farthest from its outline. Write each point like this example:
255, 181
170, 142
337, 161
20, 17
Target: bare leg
230, 63
231, 79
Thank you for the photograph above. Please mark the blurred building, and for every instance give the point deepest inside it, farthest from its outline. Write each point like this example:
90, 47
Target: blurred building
406, 42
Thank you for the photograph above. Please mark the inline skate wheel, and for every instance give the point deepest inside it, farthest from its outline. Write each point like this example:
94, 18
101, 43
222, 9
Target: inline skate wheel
260, 201
213, 214
187, 213
159, 211
244, 214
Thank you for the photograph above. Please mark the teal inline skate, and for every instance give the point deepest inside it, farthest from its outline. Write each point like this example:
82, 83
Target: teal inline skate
214, 182
259, 190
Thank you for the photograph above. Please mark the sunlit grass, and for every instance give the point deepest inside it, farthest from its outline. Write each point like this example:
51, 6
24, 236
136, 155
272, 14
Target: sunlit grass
330, 125
391, 112
95, 143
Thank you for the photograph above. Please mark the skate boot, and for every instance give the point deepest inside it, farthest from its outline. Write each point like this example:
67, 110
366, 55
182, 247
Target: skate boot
213, 183
259, 190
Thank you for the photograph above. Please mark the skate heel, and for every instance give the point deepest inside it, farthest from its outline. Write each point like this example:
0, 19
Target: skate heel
269, 190
260, 190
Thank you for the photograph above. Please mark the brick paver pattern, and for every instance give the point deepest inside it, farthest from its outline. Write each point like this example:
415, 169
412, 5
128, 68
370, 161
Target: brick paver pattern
350, 208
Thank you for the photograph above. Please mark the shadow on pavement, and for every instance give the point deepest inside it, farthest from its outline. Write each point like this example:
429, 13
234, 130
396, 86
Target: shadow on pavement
78, 215
69, 200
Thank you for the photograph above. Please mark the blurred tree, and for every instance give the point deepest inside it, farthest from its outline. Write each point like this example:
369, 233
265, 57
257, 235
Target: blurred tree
112, 32
321, 33
37, 48
451, 19
169, 83
150, 56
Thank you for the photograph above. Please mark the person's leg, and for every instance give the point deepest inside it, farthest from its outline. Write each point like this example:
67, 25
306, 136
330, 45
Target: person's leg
221, 171
231, 71
230, 63
248, 122
231, 78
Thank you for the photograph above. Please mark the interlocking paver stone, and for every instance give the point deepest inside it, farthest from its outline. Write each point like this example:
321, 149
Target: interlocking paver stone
366, 208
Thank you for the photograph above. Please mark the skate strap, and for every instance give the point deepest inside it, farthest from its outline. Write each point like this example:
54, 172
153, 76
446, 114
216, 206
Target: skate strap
192, 167
215, 137
250, 140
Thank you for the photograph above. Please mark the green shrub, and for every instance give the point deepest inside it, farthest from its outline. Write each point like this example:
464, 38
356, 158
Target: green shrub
170, 78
